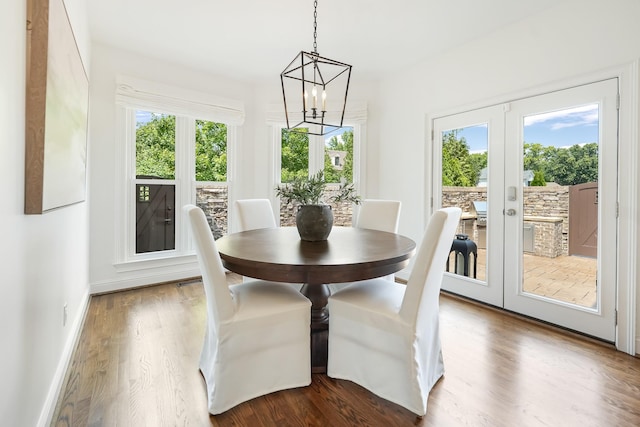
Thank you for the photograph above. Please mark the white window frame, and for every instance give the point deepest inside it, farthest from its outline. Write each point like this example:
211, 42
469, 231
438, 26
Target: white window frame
134, 94
316, 155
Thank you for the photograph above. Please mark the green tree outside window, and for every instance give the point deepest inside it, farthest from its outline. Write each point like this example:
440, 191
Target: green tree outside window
211, 151
156, 146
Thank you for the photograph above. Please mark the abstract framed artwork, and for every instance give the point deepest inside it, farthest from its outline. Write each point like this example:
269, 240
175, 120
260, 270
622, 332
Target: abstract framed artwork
57, 102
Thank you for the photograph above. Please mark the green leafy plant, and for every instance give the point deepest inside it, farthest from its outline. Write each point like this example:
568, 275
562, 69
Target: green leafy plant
311, 191
538, 179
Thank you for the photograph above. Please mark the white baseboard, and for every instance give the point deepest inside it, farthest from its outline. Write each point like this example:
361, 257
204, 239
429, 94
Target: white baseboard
57, 382
638, 346
141, 280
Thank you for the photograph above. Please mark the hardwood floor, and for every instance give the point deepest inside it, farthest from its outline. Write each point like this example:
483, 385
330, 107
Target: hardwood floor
136, 364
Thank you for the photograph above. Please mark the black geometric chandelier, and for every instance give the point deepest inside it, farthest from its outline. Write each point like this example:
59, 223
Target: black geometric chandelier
309, 102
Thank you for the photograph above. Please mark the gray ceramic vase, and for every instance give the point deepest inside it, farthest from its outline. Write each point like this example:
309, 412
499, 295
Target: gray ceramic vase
314, 222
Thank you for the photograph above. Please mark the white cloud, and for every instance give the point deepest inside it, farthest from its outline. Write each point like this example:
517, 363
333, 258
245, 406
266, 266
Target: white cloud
578, 116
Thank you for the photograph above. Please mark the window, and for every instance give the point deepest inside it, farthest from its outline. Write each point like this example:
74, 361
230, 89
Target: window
339, 147
156, 176
295, 155
155, 153
302, 155
211, 174
175, 152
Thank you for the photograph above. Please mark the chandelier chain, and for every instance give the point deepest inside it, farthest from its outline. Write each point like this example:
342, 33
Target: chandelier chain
315, 26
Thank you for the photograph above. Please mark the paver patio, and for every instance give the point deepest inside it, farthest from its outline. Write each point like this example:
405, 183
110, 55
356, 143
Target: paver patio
566, 278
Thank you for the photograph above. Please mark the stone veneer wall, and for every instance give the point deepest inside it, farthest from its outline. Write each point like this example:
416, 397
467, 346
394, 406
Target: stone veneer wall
547, 208
342, 212
214, 201
549, 202
548, 236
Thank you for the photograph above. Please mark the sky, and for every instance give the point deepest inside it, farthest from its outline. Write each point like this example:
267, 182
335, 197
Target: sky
562, 128
336, 132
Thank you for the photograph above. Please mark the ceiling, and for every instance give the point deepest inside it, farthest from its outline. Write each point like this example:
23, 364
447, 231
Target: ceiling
254, 40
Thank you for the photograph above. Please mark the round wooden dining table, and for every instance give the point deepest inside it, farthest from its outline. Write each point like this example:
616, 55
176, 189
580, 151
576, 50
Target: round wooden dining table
349, 254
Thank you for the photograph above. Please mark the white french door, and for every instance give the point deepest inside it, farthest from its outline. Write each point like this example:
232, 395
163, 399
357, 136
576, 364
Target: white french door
526, 259
487, 126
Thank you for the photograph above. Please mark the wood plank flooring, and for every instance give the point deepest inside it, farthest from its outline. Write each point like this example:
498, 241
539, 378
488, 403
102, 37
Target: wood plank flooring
136, 364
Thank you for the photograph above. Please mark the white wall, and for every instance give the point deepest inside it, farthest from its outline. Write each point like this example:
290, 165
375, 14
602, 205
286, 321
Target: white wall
564, 44
43, 258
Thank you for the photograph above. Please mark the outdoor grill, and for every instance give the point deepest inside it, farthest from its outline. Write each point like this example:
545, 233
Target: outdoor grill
479, 209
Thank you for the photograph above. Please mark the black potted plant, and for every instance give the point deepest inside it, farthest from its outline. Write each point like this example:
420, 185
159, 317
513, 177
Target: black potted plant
314, 218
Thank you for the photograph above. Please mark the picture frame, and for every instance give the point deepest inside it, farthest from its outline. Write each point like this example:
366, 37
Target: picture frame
57, 102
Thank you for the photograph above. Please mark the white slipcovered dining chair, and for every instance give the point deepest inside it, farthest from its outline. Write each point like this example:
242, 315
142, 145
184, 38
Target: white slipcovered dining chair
383, 215
376, 214
257, 337
386, 336
255, 213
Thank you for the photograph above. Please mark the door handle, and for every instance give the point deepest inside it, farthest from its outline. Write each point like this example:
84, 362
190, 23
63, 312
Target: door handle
510, 212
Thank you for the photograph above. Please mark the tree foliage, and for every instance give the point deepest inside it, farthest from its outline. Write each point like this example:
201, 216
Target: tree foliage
295, 155
538, 179
156, 147
344, 144
211, 151
459, 167
565, 166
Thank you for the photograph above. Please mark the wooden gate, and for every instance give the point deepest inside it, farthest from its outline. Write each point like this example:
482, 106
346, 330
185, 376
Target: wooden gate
583, 219
155, 218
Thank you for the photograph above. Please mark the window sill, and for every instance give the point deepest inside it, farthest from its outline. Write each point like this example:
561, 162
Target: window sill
160, 261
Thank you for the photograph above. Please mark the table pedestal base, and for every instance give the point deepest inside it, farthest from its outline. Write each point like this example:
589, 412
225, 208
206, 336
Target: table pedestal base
319, 349
319, 296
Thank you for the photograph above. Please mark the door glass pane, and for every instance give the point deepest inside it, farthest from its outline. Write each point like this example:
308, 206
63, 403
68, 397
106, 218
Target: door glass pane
464, 184
155, 159
211, 174
338, 169
560, 223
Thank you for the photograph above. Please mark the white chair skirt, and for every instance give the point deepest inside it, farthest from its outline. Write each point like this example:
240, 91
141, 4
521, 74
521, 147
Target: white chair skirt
371, 345
270, 329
